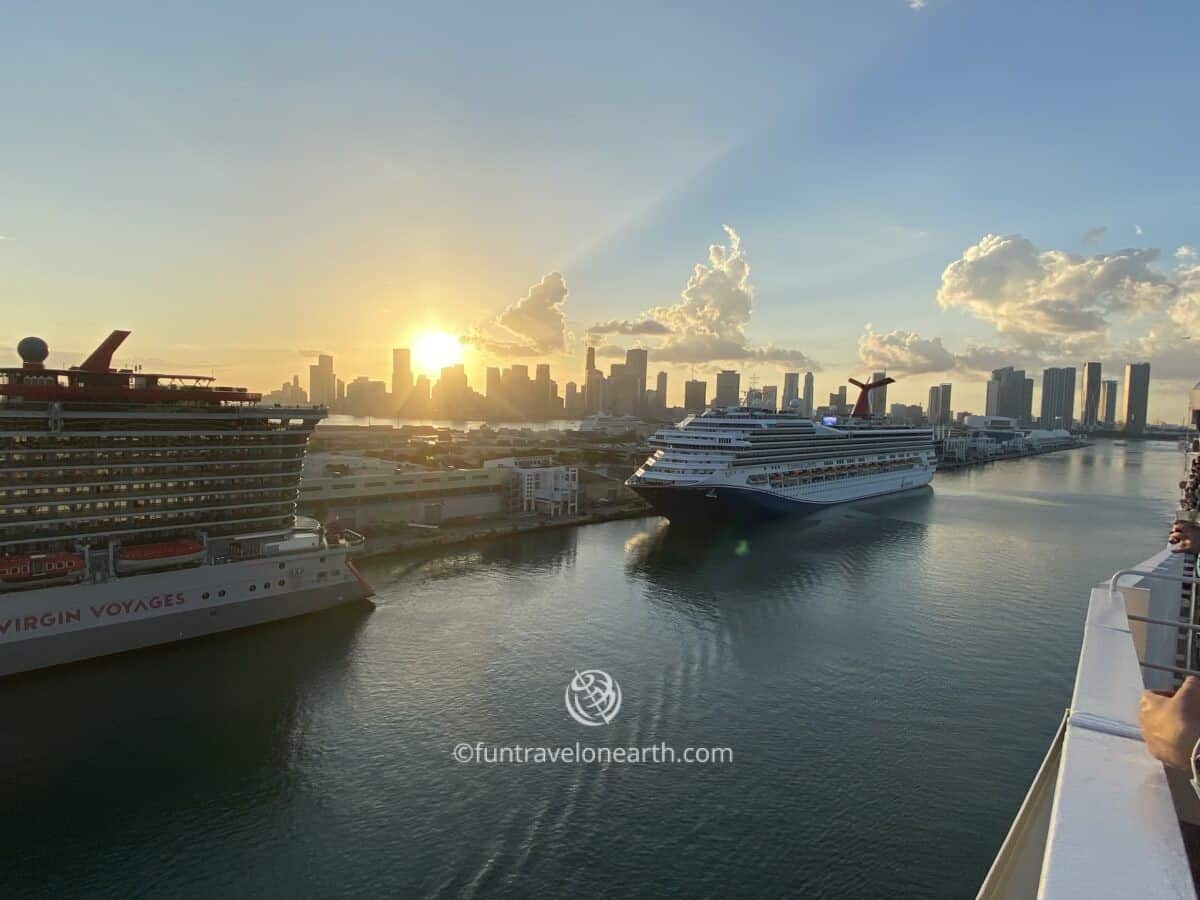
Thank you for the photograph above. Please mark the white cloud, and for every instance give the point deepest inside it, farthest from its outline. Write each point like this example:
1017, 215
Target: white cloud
709, 323
1186, 252
903, 352
1035, 296
1137, 229
535, 324
915, 4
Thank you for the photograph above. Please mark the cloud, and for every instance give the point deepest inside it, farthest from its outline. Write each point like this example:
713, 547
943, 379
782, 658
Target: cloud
915, 4
1137, 229
535, 324
614, 326
1186, 310
311, 354
709, 323
1034, 296
610, 351
903, 352
1186, 252
1092, 235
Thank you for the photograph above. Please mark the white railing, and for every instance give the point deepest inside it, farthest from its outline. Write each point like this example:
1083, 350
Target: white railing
1109, 827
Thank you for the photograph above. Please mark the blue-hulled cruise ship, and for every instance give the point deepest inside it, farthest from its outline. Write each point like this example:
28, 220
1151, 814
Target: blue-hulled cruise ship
750, 463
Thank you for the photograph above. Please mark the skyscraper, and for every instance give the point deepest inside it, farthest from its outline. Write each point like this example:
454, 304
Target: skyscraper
635, 366
322, 383
695, 394
1058, 397
877, 399
729, 388
791, 388
770, 397
493, 383
808, 394
1089, 395
1009, 394
939, 404
660, 390
591, 360
1108, 402
1137, 396
401, 375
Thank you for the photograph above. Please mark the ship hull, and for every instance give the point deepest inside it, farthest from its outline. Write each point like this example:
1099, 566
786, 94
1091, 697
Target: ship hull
706, 505
55, 626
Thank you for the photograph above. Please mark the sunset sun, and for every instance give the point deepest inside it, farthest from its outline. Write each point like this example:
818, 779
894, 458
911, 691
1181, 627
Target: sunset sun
434, 350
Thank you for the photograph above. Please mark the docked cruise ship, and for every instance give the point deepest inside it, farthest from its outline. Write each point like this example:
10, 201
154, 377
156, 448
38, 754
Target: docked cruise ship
750, 463
139, 509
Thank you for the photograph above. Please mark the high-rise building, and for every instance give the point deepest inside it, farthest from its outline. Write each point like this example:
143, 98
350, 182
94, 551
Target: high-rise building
770, 397
591, 360
1010, 393
401, 375
729, 388
940, 411
1058, 397
791, 388
1108, 402
839, 399
322, 383
573, 400
877, 399
695, 394
635, 365
1137, 396
339, 390
493, 383
660, 390
808, 394
1089, 395
593, 392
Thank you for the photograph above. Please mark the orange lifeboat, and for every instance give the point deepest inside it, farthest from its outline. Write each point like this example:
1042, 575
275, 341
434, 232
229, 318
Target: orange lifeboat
161, 555
30, 568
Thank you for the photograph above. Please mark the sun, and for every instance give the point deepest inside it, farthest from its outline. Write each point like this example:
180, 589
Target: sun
434, 350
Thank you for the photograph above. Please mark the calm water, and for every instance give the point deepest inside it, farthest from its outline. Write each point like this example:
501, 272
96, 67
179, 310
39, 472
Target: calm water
888, 676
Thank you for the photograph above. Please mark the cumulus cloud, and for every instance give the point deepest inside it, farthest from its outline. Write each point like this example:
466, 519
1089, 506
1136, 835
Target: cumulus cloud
1186, 310
903, 352
614, 326
1186, 252
1033, 296
1092, 235
915, 4
535, 324
1137, 229
709, 323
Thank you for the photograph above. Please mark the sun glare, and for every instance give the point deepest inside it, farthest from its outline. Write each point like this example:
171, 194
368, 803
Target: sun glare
434, 350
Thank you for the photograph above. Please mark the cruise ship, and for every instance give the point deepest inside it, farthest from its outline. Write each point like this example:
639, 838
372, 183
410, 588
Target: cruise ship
746, 462
139, 509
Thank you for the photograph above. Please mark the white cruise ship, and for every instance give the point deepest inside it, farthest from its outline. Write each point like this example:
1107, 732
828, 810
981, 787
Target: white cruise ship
139, 509
749, 463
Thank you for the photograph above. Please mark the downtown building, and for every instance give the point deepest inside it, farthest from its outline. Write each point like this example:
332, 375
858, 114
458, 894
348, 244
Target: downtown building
1058, 397
1137, 396
1089, 396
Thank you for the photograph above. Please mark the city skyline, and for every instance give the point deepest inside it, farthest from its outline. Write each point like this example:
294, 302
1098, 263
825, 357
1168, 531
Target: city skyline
234, 206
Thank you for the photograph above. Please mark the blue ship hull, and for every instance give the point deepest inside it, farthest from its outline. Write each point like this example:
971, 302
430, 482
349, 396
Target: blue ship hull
717, 505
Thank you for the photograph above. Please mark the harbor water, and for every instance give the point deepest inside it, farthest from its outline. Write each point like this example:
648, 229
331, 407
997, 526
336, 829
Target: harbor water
887, 676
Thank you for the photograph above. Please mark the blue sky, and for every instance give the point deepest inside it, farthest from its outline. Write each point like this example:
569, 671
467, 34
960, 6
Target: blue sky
238, 185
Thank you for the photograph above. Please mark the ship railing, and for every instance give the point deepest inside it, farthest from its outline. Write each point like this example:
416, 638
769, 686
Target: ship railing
1102, 818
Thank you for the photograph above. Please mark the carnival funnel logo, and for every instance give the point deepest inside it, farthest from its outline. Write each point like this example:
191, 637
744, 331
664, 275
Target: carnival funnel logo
593, 697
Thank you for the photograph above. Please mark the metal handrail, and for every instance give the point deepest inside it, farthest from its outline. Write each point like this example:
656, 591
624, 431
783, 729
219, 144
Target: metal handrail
1184, 626
1121, 573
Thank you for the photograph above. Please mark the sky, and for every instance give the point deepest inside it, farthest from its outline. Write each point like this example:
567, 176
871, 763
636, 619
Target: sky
933, 188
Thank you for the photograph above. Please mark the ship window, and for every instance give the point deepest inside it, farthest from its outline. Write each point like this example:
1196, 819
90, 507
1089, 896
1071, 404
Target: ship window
204, 596
281, 565
281, 582
220, 593
266, 586
252, 587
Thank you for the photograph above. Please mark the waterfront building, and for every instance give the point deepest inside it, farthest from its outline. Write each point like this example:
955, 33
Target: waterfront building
791, 388
1010, 394
1109, 388
636, 361
878, 397
322, 382
808, 394
660, 392
729, 389
1058, 397
905, 414
593, 392
288, 394
1089, 396
402, 377
940, 411
695, 395
539, 485
1137, 396
770, 397
365, 397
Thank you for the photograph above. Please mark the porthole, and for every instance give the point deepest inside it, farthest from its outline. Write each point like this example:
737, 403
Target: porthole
281, 582
204, 596
220, 593
251, 587
266, 586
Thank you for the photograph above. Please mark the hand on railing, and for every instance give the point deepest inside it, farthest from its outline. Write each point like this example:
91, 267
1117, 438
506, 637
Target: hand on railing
1185, 538
1170, 723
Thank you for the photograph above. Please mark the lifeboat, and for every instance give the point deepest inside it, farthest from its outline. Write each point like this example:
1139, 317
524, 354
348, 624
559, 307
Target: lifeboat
42, 568
161, 555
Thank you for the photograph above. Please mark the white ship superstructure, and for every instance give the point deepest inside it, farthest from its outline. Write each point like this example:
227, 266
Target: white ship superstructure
138, 509
747, 462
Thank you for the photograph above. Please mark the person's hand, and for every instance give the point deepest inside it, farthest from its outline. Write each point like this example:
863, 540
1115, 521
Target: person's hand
1185, 538
1171, 723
